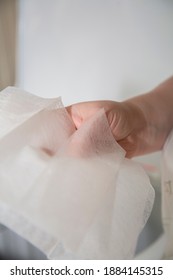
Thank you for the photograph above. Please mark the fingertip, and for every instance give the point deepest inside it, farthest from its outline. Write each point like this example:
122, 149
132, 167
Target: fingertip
74, 116
68, 109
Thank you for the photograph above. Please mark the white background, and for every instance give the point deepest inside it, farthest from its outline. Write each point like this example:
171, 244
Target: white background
94, 49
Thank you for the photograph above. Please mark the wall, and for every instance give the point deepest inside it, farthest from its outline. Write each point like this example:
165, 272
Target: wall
94, 49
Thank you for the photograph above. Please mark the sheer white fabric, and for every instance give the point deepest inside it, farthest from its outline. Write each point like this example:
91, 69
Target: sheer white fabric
69, 192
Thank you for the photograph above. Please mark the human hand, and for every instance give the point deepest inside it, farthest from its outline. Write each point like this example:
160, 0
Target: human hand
140, 125
127, 122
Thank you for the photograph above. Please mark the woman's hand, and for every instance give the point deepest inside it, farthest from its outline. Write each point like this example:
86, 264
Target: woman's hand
141, 124
127, 122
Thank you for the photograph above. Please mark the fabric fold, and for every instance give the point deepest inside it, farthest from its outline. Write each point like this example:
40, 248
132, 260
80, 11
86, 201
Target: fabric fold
72, 193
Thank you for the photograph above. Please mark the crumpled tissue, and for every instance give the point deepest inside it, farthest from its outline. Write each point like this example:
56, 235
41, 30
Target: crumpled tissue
71, 193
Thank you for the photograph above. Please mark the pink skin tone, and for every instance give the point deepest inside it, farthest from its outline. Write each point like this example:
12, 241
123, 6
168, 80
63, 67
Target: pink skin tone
140, 124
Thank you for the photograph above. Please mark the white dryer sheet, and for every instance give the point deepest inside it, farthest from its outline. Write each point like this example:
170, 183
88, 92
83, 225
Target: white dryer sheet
71, 193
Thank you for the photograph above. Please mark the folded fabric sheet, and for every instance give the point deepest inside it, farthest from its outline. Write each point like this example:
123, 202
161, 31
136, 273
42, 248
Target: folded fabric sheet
71, 193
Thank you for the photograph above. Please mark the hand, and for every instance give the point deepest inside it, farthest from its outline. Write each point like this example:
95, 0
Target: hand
127, 122
141, 124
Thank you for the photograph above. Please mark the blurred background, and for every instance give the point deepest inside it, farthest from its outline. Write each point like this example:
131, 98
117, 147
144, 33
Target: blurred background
88, 50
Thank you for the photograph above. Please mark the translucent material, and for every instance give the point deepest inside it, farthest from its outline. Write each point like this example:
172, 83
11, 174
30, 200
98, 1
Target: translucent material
69, 192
